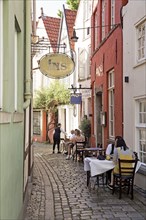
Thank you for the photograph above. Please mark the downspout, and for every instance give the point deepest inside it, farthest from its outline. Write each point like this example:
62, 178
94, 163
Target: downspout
34, 17
124, 2
27, 60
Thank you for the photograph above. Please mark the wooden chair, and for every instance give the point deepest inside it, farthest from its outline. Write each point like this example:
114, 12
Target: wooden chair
79, 148
125, 177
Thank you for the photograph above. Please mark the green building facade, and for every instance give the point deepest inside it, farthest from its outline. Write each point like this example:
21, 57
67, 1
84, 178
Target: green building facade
15, 106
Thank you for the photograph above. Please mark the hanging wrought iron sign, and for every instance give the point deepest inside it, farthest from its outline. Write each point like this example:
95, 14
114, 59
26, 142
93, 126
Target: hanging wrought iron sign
76, 98
56, 65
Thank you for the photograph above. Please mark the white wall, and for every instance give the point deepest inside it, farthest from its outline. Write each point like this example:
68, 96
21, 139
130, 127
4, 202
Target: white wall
40, 80
83, 20
133, 13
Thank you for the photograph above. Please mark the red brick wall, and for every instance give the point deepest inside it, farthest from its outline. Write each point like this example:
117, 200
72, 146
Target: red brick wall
110, 54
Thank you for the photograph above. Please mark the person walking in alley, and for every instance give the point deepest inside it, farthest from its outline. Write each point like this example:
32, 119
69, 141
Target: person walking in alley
56, 137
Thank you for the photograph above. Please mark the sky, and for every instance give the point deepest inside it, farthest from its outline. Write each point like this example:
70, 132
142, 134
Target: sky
50, 7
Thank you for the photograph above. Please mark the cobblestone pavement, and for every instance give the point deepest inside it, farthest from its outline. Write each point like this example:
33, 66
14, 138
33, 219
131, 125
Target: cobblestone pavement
59, 192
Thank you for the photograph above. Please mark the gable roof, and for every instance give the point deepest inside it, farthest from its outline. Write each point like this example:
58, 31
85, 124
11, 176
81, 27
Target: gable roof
70, 21
52, 26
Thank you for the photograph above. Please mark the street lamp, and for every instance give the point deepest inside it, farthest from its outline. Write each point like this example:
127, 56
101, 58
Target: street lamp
74, 38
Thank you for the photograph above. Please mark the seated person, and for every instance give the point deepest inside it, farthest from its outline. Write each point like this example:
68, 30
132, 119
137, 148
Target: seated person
78, 137
68, 141
123, 152
110, 151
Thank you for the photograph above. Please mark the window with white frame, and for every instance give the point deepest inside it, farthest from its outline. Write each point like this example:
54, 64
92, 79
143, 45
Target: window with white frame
141, 41
1, 54
112, 13
87, 9
111, 103
81, 65
103, 19
86, 16
141, 130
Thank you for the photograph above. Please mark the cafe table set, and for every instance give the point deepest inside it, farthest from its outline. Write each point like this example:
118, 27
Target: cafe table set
95, 167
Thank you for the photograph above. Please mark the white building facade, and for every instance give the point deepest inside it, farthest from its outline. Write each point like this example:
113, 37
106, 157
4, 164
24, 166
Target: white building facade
68, 114
83, 53
134, 76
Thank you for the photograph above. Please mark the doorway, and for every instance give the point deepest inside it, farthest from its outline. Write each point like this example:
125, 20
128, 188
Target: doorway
98, 118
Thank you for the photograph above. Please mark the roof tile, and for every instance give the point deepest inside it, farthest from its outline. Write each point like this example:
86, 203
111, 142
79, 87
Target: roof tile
52, 26
70, 20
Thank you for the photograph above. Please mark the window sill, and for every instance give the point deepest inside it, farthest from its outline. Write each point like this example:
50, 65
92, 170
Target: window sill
142, 170
140, 63
5, 117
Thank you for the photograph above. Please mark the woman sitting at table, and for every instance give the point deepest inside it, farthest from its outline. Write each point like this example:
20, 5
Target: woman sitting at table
77, 138
68, 141
122, 152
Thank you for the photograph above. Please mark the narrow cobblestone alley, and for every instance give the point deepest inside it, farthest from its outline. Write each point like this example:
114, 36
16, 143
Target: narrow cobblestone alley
59, 192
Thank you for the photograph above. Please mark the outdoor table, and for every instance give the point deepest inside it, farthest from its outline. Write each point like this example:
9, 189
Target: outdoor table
87, 150
95, 167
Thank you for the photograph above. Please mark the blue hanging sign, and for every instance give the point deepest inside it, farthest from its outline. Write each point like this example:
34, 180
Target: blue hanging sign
76, 98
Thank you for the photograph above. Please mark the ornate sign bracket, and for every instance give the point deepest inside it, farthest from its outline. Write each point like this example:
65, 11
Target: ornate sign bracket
80, 87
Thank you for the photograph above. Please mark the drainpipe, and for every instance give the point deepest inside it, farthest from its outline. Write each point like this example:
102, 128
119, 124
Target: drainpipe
34, 17
124, 2
27, 61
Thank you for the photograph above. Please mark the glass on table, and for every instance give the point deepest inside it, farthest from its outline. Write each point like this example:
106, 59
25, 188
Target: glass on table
109, 157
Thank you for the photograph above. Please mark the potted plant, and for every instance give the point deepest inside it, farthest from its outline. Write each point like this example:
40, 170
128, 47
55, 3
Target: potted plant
85, 127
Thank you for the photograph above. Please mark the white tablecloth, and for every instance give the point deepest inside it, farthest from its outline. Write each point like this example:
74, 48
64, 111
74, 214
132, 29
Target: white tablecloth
97, 167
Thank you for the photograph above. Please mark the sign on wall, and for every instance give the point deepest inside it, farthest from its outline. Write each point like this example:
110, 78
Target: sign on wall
56, 65
76, 98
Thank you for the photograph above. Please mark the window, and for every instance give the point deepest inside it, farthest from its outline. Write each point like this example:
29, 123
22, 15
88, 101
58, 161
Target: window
112, 13
83, 109
141, 130
86, 18
96, 29
141, 41
82, 66
103, 19
84, 63
1, 54
37, 122
87, 9
88, 61
111, 103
